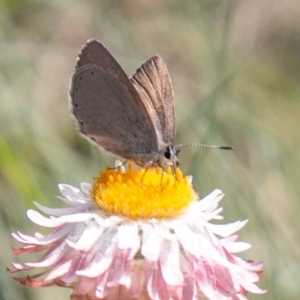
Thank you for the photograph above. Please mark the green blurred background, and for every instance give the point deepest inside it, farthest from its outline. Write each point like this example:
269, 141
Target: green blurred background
235, 70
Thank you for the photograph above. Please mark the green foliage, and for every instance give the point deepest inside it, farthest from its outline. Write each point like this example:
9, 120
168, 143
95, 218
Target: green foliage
235, 70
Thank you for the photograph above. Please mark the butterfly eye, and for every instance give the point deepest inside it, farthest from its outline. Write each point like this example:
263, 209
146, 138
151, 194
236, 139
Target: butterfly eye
167, 153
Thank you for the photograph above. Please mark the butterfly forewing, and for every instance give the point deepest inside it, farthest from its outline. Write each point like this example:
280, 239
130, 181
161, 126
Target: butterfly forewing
107, 114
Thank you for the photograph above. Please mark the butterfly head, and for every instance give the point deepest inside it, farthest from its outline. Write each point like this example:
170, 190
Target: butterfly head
169, 157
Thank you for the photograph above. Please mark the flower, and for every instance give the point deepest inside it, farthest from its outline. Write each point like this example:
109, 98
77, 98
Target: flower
138, 234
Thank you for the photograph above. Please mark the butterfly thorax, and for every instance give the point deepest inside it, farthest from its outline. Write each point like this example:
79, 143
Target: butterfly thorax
163, 158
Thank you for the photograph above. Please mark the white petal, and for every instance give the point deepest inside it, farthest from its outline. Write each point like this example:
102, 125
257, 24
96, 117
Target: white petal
169, 260
128, 236
105, 251
88, 238
39, 219
20, 267
237, 247
226, 229
39, 239
214, 215
86, 188
188, 238
214, 196
62, 211
59, 271
70, 191
76, 218
252, 287
75, 202
51, 258
151, 242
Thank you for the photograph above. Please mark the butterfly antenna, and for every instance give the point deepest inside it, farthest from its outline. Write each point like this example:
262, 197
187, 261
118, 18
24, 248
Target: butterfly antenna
203, 145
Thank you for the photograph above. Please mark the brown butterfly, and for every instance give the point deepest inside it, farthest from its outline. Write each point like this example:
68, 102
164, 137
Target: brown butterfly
132, 118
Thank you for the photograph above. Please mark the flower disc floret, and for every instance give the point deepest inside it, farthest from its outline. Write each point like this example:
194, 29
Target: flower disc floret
143, 193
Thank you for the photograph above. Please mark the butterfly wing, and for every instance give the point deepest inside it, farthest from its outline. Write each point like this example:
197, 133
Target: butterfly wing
152, 83
107, 107
93, 52
106, 113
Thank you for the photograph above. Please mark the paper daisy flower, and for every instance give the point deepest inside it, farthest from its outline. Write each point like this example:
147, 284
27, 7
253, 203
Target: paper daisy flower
138, 234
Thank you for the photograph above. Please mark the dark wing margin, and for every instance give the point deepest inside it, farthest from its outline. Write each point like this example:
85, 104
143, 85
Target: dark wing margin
152, 82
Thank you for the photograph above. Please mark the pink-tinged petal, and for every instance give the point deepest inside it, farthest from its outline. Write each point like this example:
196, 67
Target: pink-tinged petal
212, 251
136, 279
102, 288
54, 236
156, 286
248, 267
203, 276
61, 269
30, 282
225, 280
79, 260
128, 244
256, 266
104, 254
51, 257
188, 288
28, 249
169, 262
84, 286
19, 267
119, 268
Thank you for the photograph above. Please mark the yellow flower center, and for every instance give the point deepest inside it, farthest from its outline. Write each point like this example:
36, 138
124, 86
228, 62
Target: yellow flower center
142, 193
